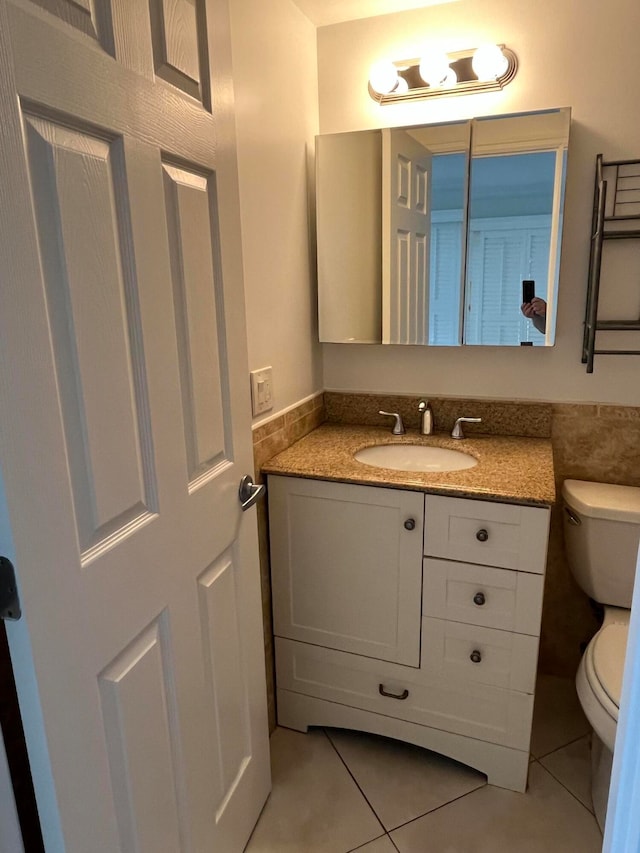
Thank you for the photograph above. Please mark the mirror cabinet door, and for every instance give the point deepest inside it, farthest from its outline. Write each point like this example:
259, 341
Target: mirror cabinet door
349, 233
514, 226
425, 234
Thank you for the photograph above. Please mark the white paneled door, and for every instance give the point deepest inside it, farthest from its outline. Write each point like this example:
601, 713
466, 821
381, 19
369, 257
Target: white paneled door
406, 229
125, 426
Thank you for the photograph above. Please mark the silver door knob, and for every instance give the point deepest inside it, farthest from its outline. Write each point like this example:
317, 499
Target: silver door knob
249, 492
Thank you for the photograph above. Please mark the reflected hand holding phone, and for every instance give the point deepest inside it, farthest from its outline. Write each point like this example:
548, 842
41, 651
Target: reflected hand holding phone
533, 306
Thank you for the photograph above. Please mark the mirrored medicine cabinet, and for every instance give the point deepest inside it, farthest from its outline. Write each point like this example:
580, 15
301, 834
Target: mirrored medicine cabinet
425, 234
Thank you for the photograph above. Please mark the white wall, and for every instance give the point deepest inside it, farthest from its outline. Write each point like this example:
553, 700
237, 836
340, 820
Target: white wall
276, 93
576, 53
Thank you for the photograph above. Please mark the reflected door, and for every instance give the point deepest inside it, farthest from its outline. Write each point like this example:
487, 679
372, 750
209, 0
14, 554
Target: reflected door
126, 427
406, 190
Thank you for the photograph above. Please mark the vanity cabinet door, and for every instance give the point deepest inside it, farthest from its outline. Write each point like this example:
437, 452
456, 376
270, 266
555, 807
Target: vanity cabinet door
346, 566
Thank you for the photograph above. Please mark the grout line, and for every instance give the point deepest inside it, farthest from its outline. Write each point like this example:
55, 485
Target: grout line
442, 806
337, 751
562, 784
558, 748
424, 814
366, 843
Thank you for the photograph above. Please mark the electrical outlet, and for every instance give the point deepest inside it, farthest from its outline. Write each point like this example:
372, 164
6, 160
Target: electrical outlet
261, 390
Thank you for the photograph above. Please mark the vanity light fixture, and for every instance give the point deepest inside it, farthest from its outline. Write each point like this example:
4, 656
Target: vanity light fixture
487, 68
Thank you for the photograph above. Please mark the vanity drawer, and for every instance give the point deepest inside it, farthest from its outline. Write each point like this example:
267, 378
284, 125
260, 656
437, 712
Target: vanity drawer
462, 707
480, 595
470, 653
494, 534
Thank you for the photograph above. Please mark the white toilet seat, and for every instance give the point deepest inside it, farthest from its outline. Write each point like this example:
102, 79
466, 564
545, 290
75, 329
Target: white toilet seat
599, 679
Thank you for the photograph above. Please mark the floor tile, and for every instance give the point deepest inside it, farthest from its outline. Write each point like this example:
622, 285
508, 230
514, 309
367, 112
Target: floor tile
547, 819
402, 781
315, 806
571, 766
557, 716
380, 845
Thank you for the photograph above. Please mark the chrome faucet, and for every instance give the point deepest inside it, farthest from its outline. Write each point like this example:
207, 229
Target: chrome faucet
457, 429
426, 418
398, 426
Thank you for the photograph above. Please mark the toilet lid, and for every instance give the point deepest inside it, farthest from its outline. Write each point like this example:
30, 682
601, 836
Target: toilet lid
609, 650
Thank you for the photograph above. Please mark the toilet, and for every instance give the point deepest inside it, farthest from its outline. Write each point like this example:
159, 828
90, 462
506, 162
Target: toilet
602, 534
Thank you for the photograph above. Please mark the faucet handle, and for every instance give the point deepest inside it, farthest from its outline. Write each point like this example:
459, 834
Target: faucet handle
398, 427
457, 429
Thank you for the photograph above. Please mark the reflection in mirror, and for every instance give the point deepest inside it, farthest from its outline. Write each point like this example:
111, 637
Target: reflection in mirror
420, 242
449, 192
406, 215
424, 191
518, 169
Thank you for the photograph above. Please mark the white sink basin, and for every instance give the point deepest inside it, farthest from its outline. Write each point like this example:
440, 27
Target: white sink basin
415, 457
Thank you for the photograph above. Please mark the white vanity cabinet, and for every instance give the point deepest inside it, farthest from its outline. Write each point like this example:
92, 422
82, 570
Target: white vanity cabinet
409, 615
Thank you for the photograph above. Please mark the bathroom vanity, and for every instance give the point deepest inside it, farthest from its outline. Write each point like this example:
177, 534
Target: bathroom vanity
408, 604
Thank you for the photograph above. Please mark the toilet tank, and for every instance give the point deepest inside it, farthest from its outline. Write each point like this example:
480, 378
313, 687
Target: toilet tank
602, 534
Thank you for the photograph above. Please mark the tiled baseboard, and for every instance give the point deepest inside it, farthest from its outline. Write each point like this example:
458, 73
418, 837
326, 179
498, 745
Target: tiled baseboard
269, 439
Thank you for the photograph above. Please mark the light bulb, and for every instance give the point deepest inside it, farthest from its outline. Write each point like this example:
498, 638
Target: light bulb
489, 62
434, 68
450, 80
402, 86
383, 77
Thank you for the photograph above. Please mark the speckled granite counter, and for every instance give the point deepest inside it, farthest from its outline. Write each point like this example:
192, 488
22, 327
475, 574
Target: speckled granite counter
510, 468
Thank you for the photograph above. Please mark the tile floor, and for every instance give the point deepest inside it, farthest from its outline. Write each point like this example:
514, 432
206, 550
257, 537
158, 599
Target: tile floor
337, 791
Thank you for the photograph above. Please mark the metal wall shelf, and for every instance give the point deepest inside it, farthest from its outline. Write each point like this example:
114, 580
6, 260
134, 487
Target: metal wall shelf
621, 207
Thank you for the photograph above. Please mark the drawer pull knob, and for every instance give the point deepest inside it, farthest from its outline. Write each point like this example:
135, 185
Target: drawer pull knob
410, 524
479, 599
383, 692
482, 535
475, 656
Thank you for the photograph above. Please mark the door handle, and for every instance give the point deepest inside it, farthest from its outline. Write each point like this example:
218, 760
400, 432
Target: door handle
249, 492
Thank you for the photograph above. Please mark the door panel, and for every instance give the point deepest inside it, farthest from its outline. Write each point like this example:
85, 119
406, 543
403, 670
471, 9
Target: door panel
189, 205
78, 13
80, 199
143, 741
221, 632
125, 432
176, 45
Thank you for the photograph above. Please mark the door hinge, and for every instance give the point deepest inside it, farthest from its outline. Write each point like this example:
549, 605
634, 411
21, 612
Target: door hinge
9, 601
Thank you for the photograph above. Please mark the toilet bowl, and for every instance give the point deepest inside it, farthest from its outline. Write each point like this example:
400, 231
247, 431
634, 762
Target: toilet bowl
599, 687
599, 677
602, 535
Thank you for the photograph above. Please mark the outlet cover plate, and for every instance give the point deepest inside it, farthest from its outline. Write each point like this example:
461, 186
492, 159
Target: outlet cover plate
261, 390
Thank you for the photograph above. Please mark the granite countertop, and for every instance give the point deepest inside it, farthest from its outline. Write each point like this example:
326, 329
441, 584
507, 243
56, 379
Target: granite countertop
510, 468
